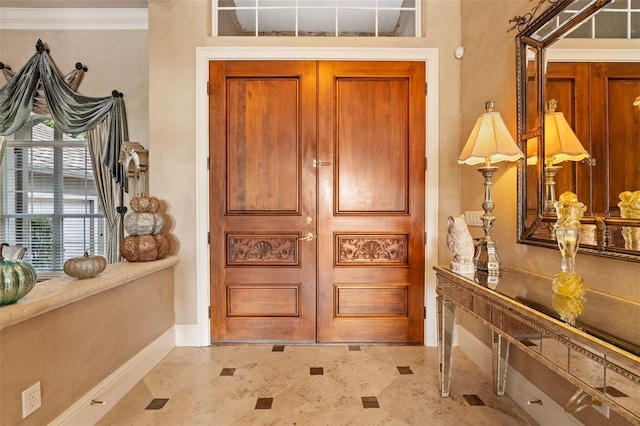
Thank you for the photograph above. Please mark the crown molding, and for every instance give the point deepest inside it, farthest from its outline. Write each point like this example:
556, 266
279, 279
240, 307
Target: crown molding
21, 18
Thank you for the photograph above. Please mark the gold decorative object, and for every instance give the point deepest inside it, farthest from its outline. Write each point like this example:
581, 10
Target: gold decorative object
630, 209
85, 266
144, 243
569, 308
568, 286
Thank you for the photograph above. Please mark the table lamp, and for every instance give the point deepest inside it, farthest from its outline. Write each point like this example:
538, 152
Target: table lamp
489, 142
560, 144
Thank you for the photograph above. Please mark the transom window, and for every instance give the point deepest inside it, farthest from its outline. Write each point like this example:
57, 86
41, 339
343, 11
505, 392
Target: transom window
329, 18
48, 196
620, 19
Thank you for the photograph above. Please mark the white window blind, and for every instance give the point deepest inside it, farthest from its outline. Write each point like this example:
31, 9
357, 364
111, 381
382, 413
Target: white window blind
49, 200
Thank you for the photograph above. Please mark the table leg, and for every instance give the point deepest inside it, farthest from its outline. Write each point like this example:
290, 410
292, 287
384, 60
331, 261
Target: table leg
446, 321
500, 352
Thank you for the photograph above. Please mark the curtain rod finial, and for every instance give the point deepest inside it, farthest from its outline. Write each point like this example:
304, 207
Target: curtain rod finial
40, 46
116, 94
79, 67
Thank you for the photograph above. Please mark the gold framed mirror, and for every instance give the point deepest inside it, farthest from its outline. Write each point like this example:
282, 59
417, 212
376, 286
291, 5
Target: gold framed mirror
593, 103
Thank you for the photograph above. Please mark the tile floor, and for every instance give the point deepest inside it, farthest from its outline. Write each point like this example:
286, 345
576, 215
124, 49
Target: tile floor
299, 385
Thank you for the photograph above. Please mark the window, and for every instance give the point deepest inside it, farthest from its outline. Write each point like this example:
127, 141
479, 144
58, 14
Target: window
620, 19
332, 18
48, 200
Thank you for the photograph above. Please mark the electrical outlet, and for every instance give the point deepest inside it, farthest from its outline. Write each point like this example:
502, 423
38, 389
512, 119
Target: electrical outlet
473, 218
31, 399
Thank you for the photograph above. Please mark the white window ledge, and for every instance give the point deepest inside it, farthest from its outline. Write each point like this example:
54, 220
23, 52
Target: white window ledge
55, 293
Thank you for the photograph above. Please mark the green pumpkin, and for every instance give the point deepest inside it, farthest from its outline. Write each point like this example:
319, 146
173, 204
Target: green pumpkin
17, 278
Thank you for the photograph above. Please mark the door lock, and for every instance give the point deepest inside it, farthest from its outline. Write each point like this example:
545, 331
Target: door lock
307, 237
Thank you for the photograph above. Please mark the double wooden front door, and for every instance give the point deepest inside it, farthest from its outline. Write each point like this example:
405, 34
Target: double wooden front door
317, 201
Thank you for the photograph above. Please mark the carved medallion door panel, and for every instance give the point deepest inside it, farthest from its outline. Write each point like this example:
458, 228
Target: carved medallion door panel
315, 191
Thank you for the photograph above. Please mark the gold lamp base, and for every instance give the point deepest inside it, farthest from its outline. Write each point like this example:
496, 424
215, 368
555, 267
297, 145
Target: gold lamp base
486, 258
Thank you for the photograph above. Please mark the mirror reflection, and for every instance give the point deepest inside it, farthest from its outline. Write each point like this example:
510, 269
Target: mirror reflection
586, 112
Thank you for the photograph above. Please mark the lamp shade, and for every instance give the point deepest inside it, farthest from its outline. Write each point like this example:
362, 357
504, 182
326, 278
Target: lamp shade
490, 141
560, 142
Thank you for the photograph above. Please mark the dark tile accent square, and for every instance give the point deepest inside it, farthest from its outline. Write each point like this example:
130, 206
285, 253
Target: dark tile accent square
527, 342
370, 402
316, 371
278, 348
611, 391
264, 403
353, 348
405, 370
227, 371
157, 403
473, 400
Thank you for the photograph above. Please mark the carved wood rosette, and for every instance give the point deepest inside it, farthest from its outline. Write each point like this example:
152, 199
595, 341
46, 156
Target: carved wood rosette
383, 250
262, 250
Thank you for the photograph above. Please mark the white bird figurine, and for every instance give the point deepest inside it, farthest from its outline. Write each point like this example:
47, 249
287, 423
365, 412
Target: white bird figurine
460, 242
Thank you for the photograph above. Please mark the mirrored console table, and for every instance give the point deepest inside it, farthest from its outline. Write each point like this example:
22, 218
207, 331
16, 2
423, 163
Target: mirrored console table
600, 354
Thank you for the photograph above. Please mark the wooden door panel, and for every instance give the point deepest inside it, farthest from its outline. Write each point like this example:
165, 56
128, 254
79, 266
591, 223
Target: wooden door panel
331, 149
262, 190
371, 202
619, 130
371, 151
263, 149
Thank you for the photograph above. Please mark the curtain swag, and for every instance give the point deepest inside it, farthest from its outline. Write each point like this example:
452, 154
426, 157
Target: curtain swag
71, 111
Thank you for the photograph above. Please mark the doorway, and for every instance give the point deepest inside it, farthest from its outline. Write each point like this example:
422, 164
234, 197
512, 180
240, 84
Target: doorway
317, 201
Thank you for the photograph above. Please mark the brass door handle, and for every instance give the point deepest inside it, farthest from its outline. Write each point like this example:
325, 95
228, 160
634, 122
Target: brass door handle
308, 237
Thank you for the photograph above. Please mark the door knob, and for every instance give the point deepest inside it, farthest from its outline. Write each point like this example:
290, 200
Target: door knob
307, 237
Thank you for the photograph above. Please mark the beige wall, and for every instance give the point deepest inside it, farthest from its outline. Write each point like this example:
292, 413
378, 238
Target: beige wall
172, 44
489, 72
72, 349
116, 60
177, 27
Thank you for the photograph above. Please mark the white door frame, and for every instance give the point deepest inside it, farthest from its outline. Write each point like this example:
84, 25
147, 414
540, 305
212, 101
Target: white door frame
202, 336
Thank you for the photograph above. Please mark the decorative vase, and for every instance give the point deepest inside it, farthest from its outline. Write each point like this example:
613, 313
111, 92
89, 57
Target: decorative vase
630, 209
568, 286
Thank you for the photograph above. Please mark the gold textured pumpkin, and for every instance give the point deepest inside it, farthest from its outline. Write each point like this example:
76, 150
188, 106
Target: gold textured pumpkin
144, 204
144, 248
85, 266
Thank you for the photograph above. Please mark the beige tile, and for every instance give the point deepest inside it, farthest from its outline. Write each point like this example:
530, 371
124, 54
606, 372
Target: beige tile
198, 395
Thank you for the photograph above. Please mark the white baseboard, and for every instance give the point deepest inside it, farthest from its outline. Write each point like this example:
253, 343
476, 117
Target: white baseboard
190, 335
116, 386
519, 388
